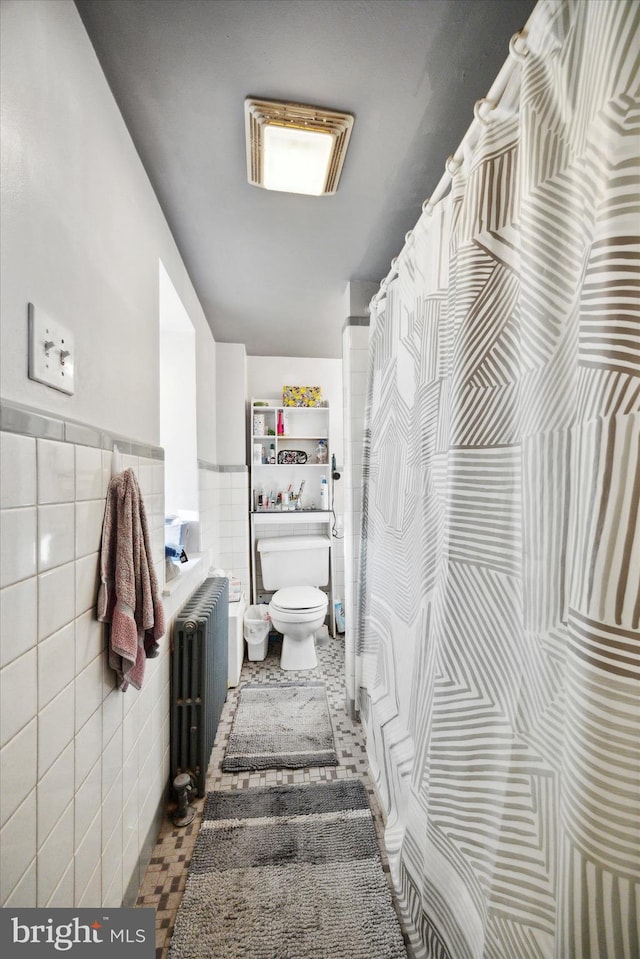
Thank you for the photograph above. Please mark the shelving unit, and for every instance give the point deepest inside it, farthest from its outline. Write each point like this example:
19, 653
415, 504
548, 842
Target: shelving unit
305, 427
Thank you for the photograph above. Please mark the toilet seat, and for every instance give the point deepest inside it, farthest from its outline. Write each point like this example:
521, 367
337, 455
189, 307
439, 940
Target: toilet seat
302, 599
298, 612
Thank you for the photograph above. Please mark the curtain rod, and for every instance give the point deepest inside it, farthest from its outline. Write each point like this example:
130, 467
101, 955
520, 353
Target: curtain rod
518, 50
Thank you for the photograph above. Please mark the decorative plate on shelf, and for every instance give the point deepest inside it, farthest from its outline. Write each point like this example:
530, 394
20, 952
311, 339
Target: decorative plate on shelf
289, 457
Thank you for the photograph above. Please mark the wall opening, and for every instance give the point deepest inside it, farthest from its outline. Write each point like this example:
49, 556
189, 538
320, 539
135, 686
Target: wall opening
178, 432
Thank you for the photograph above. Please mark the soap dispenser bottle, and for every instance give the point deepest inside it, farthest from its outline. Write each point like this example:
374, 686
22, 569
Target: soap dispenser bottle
324, 493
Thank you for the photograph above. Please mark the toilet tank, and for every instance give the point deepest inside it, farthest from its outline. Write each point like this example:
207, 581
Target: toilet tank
294, 561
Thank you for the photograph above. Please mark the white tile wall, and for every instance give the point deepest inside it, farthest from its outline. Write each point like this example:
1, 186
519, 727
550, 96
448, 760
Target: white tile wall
89, 516
73, 748
224, 522
84, 766
91, 479
56, 664
56, 599
355, 353
18, 769
54, 856
55, 793
55, 535
18, 695
19, 545
55, 728
87, 582
17, 470
18, 838
63, 892
56, 472
88, 746
89, 847
18, 619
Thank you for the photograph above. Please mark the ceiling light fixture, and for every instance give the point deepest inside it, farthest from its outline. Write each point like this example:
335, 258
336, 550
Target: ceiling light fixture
295, 148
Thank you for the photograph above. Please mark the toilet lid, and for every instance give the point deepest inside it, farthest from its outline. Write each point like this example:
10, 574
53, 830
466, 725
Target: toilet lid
299, 597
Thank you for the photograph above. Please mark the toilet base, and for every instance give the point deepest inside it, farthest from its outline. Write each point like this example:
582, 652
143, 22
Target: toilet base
298, 653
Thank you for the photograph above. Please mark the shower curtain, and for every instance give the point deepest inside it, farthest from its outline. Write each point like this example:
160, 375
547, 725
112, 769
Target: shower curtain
498, 635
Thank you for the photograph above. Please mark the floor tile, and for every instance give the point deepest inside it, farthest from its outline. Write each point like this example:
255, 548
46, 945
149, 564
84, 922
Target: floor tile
166, 875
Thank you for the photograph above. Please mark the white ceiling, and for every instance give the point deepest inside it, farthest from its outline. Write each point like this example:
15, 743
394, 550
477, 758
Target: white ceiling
271, 269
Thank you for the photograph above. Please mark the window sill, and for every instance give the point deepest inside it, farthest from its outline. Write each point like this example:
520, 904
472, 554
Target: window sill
187, 571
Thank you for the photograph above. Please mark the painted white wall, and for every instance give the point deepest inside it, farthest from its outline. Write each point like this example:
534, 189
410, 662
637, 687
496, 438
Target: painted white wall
178, 412
231, 375
81, 237
266, 375
82, 232
178, 422
357, 296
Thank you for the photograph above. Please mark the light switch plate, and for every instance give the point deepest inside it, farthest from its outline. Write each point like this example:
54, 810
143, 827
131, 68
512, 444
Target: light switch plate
51, 351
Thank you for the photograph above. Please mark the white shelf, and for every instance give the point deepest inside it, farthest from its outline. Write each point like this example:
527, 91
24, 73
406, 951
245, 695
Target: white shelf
314, 437
289, 409
267, 517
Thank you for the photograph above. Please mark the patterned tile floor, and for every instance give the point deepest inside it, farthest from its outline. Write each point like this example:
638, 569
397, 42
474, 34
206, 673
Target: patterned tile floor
166, 874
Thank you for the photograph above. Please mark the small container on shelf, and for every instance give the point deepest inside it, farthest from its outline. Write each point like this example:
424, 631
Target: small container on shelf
322, 454
324, 493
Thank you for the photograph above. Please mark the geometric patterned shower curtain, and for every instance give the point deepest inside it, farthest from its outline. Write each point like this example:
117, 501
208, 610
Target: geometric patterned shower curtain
498, 640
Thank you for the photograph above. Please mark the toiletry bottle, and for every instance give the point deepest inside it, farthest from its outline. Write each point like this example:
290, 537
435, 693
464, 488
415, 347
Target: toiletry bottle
324, 493
321, 452
272, 454
280, 427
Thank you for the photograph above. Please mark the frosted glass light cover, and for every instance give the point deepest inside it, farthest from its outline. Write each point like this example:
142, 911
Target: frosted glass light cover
296, 161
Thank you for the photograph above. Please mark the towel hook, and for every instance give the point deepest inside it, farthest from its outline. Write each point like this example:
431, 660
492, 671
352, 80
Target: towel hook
116, 461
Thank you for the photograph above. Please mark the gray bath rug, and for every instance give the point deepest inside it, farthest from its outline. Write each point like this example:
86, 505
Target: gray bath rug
287, 872
281, 726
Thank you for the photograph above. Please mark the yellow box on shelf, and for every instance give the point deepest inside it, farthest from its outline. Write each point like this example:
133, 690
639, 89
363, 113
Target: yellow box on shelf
301, 395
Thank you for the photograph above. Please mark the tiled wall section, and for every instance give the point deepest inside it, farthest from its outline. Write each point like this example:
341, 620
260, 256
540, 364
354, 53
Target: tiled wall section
84, 767
224, 519
355, 347
338, 561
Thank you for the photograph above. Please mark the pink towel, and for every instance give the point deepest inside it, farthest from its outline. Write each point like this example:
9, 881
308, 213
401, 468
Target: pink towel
128, 597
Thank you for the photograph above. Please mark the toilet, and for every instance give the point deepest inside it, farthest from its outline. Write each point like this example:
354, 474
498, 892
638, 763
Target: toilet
295, 566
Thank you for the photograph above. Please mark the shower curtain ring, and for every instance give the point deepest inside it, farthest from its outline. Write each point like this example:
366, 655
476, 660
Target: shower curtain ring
427, 206
408, 237
518, 45
452, 165
482, 110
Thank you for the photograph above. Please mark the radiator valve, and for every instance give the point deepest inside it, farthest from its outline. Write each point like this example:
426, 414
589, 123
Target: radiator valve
185, 813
